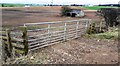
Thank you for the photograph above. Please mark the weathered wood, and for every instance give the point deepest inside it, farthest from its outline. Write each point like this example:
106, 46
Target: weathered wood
3, 32
77, 26
9, 41
25, 39
65, 31
4, 37
17, 40
17, 45
5, 42
49, 33
19, 51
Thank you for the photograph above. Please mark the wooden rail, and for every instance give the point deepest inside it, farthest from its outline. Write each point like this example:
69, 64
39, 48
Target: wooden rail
13, 43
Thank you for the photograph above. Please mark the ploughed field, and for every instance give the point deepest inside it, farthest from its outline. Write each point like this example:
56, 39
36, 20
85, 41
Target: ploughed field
19, 15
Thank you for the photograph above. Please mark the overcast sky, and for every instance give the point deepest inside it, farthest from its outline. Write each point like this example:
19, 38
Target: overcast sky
62, 1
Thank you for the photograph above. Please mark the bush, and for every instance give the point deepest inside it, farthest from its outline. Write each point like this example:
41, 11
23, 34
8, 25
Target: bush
113, 34
110, 15
91, 28
64, 10
2, 5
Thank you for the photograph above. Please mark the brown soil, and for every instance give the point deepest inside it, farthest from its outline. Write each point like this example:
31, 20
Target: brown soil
19, 16
78, 51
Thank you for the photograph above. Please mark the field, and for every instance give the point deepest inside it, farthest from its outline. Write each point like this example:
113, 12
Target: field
97, 7
20, 15
84, 50
11, 5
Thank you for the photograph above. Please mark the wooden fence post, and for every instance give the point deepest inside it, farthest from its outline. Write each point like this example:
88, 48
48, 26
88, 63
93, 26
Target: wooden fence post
77, 26
88, 27
87, 23
25, 39
9, 42
49, 34
65, 31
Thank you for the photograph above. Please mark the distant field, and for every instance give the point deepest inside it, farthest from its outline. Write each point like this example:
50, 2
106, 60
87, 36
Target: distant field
11, 5
19, 15
97, 7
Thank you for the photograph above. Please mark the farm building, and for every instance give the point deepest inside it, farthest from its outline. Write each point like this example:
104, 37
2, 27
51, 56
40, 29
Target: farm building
27, 5
76, 13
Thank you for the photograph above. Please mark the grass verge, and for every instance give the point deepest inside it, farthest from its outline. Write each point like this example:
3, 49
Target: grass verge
97, 7
112, 34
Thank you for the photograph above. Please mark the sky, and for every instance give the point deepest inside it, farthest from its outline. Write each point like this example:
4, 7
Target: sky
94, 2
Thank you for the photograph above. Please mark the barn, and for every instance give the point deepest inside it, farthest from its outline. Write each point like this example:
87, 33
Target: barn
76, 13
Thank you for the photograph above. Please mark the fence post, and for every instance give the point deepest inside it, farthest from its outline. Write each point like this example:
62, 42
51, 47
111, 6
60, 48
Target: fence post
9, 42
87, 23
65, 31
49, 33
77, 26
25, 39
87, 26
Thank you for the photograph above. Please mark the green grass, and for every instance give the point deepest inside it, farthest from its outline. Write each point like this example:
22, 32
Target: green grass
97, 7
12, 5
113, 34
0, 5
